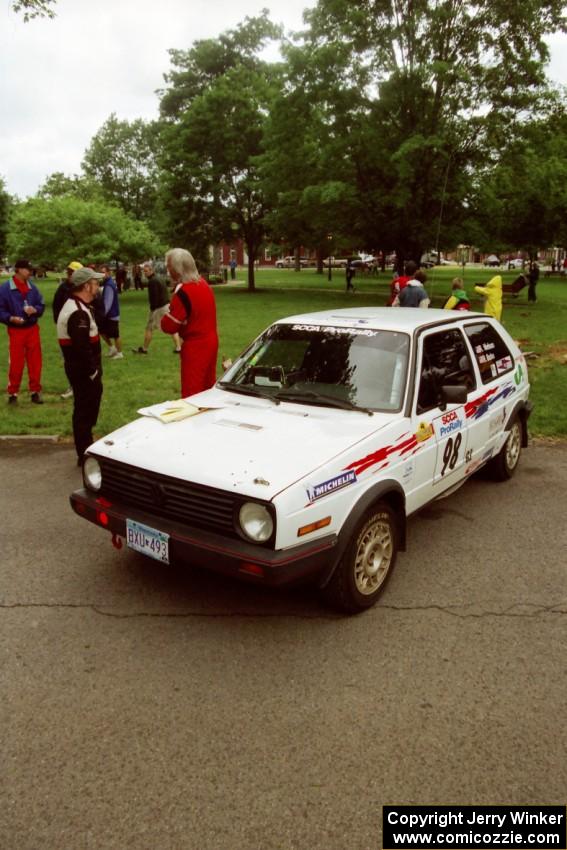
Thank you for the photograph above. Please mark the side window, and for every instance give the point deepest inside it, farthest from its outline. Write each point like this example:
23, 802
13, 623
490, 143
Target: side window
490, 351
445, 361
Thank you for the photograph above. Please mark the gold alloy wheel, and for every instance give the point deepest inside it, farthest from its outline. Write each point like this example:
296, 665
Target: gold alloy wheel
513, 446
373, 556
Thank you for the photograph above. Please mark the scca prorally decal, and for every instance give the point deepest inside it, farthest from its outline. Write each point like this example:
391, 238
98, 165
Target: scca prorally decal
478, 407
409, 444
318, 491
450, 422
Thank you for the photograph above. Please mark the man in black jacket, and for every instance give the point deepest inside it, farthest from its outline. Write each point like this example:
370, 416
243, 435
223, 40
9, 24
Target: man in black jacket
63, 292
64, 289
158, 297
78, 337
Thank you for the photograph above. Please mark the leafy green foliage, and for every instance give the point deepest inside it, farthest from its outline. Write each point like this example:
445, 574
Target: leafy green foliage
58, 185
413, 96
121, 158
521, 201
49, 232
5, 206
34, 8
214, 110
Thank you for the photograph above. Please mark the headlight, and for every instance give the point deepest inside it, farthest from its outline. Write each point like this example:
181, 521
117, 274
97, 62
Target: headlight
92, 475
256, 522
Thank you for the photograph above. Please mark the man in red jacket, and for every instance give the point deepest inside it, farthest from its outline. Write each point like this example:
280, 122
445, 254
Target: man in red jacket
192, 314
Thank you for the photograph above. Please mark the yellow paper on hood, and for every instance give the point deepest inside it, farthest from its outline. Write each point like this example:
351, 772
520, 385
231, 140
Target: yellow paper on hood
171, 411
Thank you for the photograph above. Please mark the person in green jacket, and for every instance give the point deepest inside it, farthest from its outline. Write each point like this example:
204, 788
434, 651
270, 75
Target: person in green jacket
458, 299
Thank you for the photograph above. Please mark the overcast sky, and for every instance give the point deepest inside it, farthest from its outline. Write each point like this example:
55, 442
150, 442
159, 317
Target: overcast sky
60, 79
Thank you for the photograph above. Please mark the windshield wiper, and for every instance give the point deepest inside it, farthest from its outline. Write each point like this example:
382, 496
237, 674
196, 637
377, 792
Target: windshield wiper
312, 397
245, 390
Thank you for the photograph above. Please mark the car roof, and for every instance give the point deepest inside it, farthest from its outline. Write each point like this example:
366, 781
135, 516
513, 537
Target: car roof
404, 320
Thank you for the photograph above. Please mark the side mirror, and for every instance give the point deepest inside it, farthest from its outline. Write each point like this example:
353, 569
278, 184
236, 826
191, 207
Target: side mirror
452, 395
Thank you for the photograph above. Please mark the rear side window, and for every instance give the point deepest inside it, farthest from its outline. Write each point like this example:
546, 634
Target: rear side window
491, 352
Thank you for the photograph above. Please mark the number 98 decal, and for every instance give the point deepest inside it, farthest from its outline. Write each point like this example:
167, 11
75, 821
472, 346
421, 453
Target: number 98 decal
451, 453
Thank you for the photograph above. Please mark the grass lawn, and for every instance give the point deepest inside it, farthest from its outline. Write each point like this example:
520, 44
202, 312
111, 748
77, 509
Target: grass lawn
137, 381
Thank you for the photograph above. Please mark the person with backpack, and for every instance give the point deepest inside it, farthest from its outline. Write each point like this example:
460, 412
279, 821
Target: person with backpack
414, 294
458, 299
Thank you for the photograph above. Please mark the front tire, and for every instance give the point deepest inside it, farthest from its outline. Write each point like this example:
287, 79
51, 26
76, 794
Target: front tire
367, 563
504, 465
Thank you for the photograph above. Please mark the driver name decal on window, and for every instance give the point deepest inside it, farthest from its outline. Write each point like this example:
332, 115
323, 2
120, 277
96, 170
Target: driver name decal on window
318, 491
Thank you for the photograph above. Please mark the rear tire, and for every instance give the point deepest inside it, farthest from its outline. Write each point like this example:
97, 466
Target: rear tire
367, 563
504, 465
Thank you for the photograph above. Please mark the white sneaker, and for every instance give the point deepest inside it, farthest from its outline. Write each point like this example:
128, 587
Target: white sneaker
118, 356
68, 393
112, 351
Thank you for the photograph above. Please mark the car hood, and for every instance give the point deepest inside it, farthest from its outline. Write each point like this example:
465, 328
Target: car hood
238, 443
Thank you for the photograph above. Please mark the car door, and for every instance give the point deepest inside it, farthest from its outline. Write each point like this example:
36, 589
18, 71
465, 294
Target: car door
488, 407
441, 429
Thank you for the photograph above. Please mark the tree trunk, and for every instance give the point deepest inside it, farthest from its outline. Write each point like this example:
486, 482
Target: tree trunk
251, 250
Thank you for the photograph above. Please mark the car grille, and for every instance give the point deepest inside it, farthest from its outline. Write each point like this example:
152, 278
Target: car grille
180, 501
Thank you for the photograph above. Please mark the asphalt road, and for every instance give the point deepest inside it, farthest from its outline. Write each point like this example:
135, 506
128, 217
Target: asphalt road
149, 707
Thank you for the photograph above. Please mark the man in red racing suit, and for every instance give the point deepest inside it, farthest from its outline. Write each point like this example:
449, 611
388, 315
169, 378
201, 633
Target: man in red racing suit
192, 314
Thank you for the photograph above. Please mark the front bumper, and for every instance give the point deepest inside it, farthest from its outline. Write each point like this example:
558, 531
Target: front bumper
213, 551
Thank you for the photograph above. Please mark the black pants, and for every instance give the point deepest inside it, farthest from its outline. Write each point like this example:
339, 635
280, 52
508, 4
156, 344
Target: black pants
86, 404
531, 291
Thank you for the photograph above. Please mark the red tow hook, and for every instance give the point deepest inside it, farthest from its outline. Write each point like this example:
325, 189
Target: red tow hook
116, 541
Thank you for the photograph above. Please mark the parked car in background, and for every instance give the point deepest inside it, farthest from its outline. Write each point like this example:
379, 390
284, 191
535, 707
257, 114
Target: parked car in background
492, 260
289, 262
336, 262
309, 454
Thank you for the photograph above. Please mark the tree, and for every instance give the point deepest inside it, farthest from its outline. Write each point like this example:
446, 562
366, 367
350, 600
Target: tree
34, 8
215, 109
309, 187
416, 95
5, 205
122, 159
51, 232
58, 185
521, 202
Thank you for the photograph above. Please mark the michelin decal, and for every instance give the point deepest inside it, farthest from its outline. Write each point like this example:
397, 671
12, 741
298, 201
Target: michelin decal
318, 491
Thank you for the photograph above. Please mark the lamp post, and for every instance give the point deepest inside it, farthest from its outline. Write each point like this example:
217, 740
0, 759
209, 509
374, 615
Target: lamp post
330, 241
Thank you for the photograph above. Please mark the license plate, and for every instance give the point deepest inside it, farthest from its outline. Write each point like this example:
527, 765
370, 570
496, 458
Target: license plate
148, 541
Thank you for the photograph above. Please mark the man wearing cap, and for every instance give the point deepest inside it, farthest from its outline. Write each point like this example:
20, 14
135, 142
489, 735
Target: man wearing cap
78, 337
64, 289
21, 305
63, 292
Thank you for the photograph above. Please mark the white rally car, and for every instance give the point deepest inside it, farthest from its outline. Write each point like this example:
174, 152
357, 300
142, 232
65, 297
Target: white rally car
306, 458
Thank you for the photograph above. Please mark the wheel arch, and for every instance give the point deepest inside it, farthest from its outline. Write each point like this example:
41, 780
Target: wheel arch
389, 491
521, 410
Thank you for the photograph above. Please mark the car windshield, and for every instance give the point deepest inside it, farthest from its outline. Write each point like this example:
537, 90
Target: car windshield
347, 367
